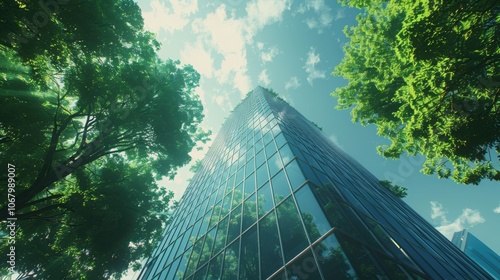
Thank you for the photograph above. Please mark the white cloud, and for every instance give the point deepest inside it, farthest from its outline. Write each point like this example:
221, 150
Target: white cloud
171, 18
199, 57
263, 12
293, 83
268, 56
322, 14
310, 66
467, 219
497, 210
264, 78
229, 36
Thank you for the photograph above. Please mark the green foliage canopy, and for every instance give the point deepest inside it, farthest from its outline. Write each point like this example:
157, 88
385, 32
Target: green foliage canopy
90, 118
426, 73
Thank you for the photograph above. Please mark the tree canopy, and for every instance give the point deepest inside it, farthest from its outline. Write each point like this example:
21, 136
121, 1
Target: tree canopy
426, 73
90, 118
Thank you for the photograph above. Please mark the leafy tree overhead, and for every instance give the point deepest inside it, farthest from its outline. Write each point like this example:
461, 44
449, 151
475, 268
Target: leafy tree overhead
90, 118
426, 73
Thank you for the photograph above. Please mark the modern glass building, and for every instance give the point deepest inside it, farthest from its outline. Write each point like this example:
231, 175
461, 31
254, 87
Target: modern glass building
478, 251
275, 199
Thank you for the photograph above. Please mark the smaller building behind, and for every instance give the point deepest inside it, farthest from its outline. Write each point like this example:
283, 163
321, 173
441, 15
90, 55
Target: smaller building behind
478, 251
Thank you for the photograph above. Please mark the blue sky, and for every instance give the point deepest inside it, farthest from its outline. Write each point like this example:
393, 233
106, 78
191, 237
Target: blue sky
292, 47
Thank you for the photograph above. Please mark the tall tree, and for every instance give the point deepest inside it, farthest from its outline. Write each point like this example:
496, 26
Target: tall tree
426, 73
90, 117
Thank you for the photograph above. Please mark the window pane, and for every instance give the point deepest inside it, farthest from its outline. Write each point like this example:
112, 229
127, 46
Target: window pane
312, 215
304, 268
262, 175
249, 213
234, 224
249, 185
265, 200
291, 230
231, 262
249, 264
286, 154
295, 175
221, 236
270, 149
237, 195
270, 249
207, 247
332, 260
214, 268
274, 164
280, 187
260, 158
280, 140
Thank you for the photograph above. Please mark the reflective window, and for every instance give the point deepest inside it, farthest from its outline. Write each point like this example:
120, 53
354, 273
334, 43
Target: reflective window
295, 174
332, 260
312, 215
286, 154
262, 175
249, 212
260, 158
214, 268
291, 230
265, 200
234, 224
231, 262
249, 185
304, 267
237, 195
274, 164
280, 187
249, 256
207, 247
220, 238
280, 140
270, 149
270, 249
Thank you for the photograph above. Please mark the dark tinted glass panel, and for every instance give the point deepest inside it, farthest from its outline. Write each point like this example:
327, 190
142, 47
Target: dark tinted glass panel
249, 212
312, 215
280, 187
249, 256
173, 268
214, 268
295, 175
234, 224
304, 267
270, 249
200, 274
182, 266
230, 271
191, 267
220, 238
360, 258
291, 230
207, 247
265, 200
332, 260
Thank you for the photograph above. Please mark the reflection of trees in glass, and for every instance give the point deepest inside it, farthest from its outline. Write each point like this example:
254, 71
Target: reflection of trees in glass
332, 260
270, 248
291, 230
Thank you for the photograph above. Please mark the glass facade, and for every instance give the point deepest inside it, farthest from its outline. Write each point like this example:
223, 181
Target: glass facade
478, 251
275, 199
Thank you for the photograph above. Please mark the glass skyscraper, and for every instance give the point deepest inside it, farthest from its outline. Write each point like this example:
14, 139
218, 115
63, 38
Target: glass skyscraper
275, 199
478, 251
